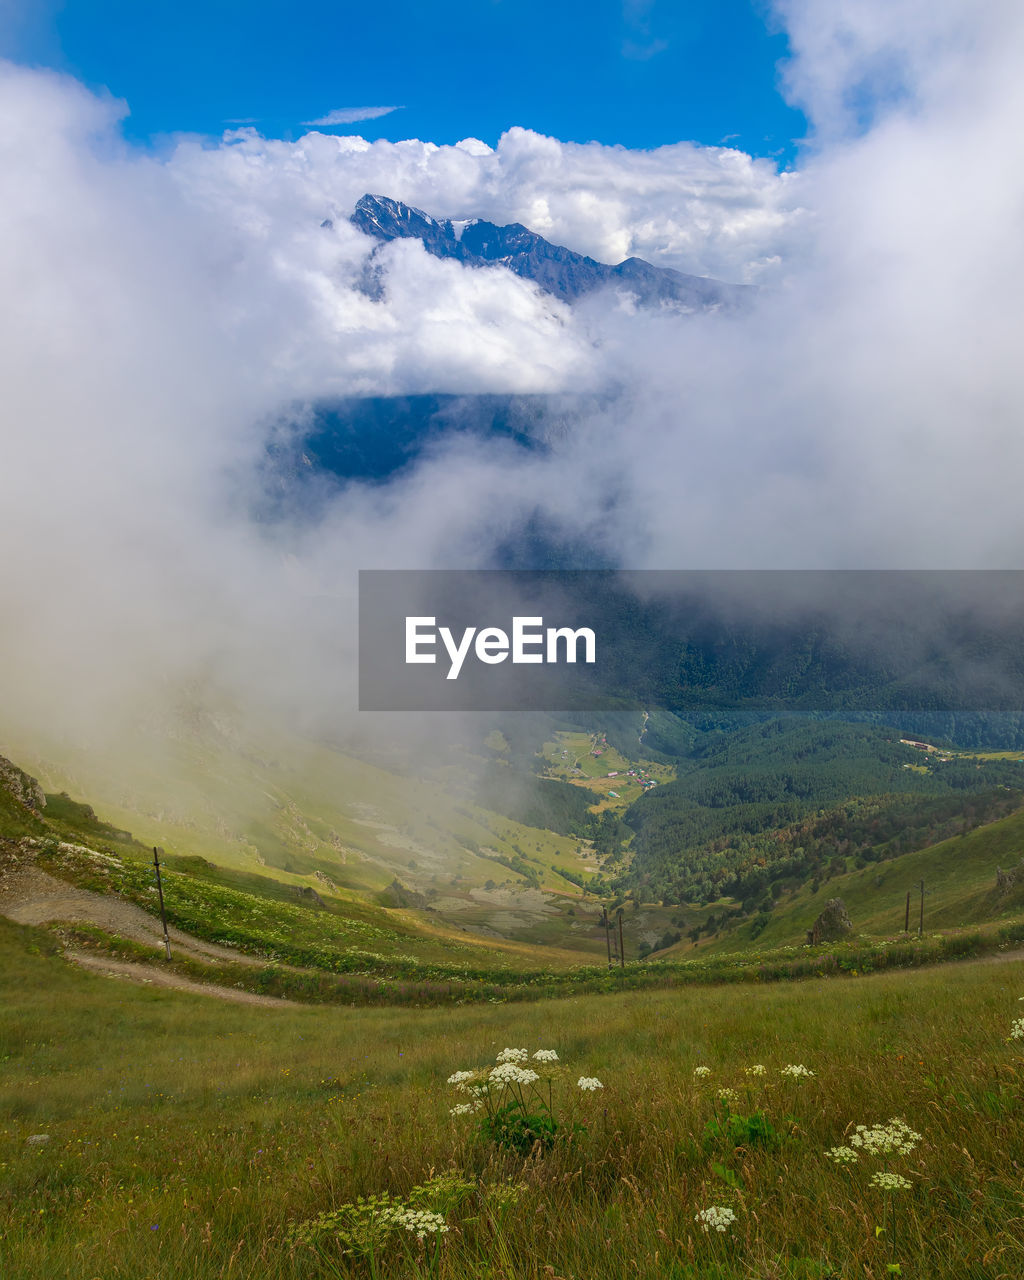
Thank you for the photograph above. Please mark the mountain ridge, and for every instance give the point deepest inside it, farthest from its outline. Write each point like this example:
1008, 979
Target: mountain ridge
562, 272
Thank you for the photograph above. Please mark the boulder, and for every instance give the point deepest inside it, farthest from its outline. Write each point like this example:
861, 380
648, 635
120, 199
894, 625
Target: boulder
400, 895
833, 923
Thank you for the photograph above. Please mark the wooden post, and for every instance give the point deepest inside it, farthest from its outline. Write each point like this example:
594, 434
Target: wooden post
608, 936
906, 918
160, 893
920, 925
622, 949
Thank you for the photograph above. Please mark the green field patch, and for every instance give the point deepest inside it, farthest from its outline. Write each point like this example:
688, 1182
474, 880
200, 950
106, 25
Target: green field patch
148, 1132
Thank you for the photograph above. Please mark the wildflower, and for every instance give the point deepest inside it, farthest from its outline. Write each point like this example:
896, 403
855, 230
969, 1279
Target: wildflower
728, 1095
890, 1182
1017, 1029
459, 1078
503, 1195
510, 1073
886, 1139
589, 1083
718, 1217
797, 1071
419, 1221
512, 1055
842, 1155
701, 1071
465, 1108
756, 1070
546, 1055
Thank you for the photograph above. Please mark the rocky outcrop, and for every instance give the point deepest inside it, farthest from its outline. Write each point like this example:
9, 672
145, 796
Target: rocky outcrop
833, 924
17, 783
399, 895
1008, 881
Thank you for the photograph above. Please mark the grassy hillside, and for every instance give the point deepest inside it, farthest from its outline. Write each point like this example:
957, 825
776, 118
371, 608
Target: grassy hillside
304, 814
960, 890
151, 1133
16, 821
432, 856
302, 916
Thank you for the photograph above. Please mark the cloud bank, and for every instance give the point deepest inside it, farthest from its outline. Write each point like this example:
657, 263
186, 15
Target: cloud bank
163, 312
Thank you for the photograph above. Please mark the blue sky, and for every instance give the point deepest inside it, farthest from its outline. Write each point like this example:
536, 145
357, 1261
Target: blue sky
639, 73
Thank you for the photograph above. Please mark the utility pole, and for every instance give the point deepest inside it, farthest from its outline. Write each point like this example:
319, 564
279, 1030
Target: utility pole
920, 925
906, 918
608, 936
622, 949
160, 894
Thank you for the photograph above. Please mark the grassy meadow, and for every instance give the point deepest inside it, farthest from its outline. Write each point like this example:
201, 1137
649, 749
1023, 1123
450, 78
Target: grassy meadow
152, 1135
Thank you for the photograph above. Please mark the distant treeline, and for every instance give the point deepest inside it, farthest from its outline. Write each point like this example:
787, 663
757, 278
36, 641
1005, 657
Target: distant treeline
785, 802
536, 802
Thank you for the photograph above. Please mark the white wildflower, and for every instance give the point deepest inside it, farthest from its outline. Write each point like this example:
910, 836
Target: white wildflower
465, 1108
546, 1055
718, 1217
756, 1070
797, 1071
511, 1073
512, 1055
589, 1083
459, 1078
894, 1138
1017, 1029
421, 1222
890, 1182
728, 1095
842, 1155
700, 1072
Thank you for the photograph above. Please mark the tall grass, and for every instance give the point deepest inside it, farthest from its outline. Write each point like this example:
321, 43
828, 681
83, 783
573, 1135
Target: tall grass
185, 1136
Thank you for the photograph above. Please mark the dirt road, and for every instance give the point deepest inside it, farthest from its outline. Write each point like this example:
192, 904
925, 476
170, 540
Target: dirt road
31, 896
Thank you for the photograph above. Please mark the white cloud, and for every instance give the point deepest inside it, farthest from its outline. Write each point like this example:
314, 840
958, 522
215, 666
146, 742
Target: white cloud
351, 115
855, 64
865, 412
705, 210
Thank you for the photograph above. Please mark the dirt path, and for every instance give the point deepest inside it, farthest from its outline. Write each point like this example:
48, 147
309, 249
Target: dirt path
31, 896
150, 975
